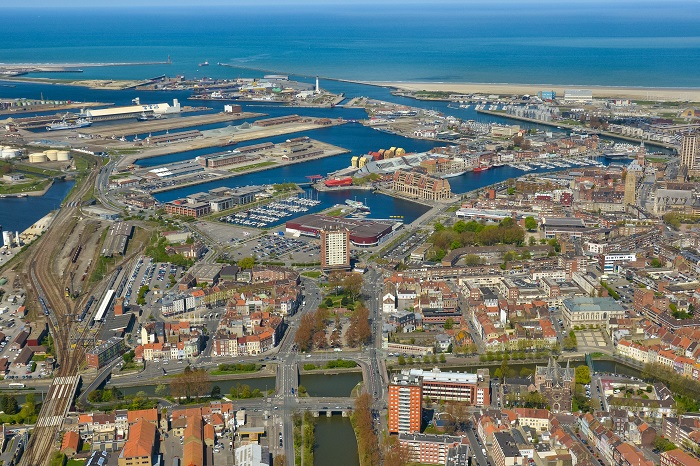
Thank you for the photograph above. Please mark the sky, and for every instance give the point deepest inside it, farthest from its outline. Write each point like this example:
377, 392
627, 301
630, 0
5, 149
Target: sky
263, 3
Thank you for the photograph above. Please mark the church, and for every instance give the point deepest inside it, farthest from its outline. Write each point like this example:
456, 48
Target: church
556, 384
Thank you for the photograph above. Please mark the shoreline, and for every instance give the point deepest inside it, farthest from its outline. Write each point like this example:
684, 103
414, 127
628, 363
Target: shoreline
555, 124
599, 91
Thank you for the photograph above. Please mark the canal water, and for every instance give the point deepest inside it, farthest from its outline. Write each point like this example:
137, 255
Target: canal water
18, 214
261, 383
335, 442
336, 385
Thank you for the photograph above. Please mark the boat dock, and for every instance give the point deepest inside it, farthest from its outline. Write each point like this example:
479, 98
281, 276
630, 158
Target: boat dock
271, 214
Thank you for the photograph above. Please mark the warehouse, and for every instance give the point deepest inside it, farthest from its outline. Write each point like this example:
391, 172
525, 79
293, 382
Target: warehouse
362, 232
133, 111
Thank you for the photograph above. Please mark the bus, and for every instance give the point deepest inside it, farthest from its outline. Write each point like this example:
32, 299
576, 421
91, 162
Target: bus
16, 385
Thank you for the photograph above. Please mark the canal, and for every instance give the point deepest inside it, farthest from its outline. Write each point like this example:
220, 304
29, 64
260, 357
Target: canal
335, 442
326, 385
261, 383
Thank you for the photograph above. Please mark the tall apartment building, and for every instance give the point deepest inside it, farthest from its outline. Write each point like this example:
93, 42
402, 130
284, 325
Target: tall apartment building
689, 151
405, 404
335, 248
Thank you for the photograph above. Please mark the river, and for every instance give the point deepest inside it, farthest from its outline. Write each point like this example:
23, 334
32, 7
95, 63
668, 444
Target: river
335, 442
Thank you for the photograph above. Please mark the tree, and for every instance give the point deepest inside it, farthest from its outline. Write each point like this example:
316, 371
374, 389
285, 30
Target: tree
439, 226
656, 263
449, 324
352, 283
583, 375
128, 357
161, 389
401, 360
442, 357
530, 223
359, 332
191, 383
280, 460
367, 442
246, 262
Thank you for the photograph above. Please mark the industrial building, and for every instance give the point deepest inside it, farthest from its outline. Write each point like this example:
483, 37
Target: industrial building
133, 111
117, 239
361, 232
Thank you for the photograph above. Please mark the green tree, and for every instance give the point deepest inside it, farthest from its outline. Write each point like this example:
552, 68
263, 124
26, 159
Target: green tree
442, 357
530, 223
656, 263
401, 360
449, 324
439, 226
583, 375
246, 262
161, 389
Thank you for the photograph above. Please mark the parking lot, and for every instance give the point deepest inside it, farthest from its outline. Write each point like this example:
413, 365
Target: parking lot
274, 247
156, 275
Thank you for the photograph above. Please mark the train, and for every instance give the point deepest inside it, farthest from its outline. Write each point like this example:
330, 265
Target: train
43, 306
76, 253
85, 310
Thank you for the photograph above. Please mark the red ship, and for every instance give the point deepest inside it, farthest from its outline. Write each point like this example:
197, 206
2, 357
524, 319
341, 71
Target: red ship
347, 181
481, 168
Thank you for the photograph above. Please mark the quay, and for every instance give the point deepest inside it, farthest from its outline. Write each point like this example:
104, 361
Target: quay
579, 128
231, 135
47, 107
264, 160
165, 124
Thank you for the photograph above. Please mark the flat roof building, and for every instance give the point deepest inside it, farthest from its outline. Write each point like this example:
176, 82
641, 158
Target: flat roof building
361, 232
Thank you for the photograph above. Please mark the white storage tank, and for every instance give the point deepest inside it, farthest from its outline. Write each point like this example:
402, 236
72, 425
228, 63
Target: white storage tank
37, 157
9, 153
63, 156
51, 155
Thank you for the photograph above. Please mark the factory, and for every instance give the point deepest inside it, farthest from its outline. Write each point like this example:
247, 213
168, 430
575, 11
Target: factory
132, 111
362, 232
117, 239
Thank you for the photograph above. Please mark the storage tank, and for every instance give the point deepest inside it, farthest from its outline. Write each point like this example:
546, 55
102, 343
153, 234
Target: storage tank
353, 161
8, 153
400, 152
63, 156
51, 155
37, 157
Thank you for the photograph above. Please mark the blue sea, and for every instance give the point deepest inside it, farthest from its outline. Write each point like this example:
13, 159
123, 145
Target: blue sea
627, 43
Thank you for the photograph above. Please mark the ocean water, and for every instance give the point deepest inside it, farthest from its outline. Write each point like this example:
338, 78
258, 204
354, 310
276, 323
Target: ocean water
629, 43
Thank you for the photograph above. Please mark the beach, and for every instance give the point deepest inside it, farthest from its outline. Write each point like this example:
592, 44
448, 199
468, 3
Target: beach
634, 93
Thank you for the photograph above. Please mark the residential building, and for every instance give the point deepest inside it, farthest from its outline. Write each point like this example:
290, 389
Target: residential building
405, 404
428, 449
335, 248
140, 447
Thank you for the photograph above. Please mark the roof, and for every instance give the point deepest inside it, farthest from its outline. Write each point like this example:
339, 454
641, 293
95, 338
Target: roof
71, 440
150, 415
588, 304
142, 438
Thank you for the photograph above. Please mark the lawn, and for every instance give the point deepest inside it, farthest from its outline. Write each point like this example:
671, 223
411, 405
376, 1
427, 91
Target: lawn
311, 274
252, 167
16, 188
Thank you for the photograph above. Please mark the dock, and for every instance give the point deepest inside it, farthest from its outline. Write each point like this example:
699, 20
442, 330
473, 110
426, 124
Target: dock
231, 136
164, 124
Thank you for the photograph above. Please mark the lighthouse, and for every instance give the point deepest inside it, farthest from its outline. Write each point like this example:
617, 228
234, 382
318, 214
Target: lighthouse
317, 88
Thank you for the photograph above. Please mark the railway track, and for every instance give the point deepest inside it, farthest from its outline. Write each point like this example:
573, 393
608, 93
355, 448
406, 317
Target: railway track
49, 286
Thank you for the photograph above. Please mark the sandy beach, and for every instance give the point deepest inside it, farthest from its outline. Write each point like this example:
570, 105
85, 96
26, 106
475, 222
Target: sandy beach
635, 93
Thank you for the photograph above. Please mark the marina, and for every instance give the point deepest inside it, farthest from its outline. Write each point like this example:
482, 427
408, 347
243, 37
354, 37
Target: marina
271, 214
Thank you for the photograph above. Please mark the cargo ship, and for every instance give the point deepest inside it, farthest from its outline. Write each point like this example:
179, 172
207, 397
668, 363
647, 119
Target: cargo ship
335, 182
357, 205
69, 124
204, 63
